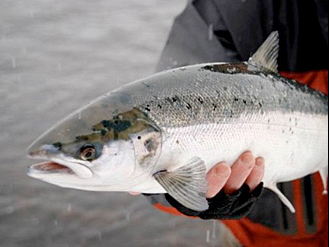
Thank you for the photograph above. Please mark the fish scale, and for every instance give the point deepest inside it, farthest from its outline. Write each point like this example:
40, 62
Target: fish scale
226, 97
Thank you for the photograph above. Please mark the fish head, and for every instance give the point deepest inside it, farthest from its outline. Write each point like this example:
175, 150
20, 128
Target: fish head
106, 146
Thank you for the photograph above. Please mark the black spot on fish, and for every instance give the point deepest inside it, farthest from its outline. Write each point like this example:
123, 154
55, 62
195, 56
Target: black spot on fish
146, 85
106, 123
147, 109
200, 100
260, 104
236, 99
174, 99
188, 106
244, 102
214, 106
160, 106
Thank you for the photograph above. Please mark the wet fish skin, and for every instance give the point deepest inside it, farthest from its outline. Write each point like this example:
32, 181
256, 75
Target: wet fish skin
163, 133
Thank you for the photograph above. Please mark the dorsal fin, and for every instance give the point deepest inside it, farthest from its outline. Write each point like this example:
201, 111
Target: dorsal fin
266, 57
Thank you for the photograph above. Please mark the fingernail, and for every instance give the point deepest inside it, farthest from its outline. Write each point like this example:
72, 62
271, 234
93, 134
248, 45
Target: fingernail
247, 158
260, 161
223, 171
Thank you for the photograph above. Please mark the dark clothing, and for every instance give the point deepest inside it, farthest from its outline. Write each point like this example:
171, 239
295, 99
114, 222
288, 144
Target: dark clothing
228, 31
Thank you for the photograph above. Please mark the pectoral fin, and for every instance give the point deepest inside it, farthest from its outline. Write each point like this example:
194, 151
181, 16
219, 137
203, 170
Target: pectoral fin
282, 197
187, 185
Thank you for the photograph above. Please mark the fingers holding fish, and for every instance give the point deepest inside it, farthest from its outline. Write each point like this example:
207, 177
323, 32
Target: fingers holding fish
246, 170
241, 170
257, 174
217, 178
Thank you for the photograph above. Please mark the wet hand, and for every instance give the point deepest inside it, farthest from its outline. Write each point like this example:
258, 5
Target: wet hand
246, 170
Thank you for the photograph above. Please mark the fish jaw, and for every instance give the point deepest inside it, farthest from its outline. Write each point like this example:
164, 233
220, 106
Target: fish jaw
59, 175
59, 166
57, 161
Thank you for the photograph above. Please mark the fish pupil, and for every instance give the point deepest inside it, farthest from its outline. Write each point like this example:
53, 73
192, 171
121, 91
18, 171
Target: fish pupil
88, 152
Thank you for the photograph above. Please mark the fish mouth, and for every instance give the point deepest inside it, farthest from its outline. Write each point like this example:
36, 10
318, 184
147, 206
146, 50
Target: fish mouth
49, 167
59, 166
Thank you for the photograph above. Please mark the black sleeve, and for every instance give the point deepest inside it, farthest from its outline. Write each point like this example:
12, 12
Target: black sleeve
224, 206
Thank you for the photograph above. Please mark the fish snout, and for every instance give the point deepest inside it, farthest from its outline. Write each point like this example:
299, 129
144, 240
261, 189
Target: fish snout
43, 151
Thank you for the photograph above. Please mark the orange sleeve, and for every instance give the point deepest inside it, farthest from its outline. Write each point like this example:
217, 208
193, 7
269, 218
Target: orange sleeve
317, 80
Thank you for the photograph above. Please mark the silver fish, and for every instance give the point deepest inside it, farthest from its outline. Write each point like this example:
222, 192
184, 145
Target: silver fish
164, 133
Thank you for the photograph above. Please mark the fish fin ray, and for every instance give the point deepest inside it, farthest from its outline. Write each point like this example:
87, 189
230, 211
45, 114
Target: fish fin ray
281, 196
187, 184
266, 57
324, 177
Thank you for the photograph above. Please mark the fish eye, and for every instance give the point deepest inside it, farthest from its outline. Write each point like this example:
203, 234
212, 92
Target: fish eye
87, 152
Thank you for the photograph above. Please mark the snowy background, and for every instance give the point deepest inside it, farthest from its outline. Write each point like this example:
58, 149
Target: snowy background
55, 56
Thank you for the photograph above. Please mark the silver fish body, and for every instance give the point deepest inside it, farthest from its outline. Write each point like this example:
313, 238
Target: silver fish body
171, 128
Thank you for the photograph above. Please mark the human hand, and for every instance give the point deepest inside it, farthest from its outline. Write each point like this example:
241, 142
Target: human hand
232, 191
246, 170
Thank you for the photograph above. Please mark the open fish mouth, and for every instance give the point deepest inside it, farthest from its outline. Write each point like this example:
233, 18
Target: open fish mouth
49, 167
64, 168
